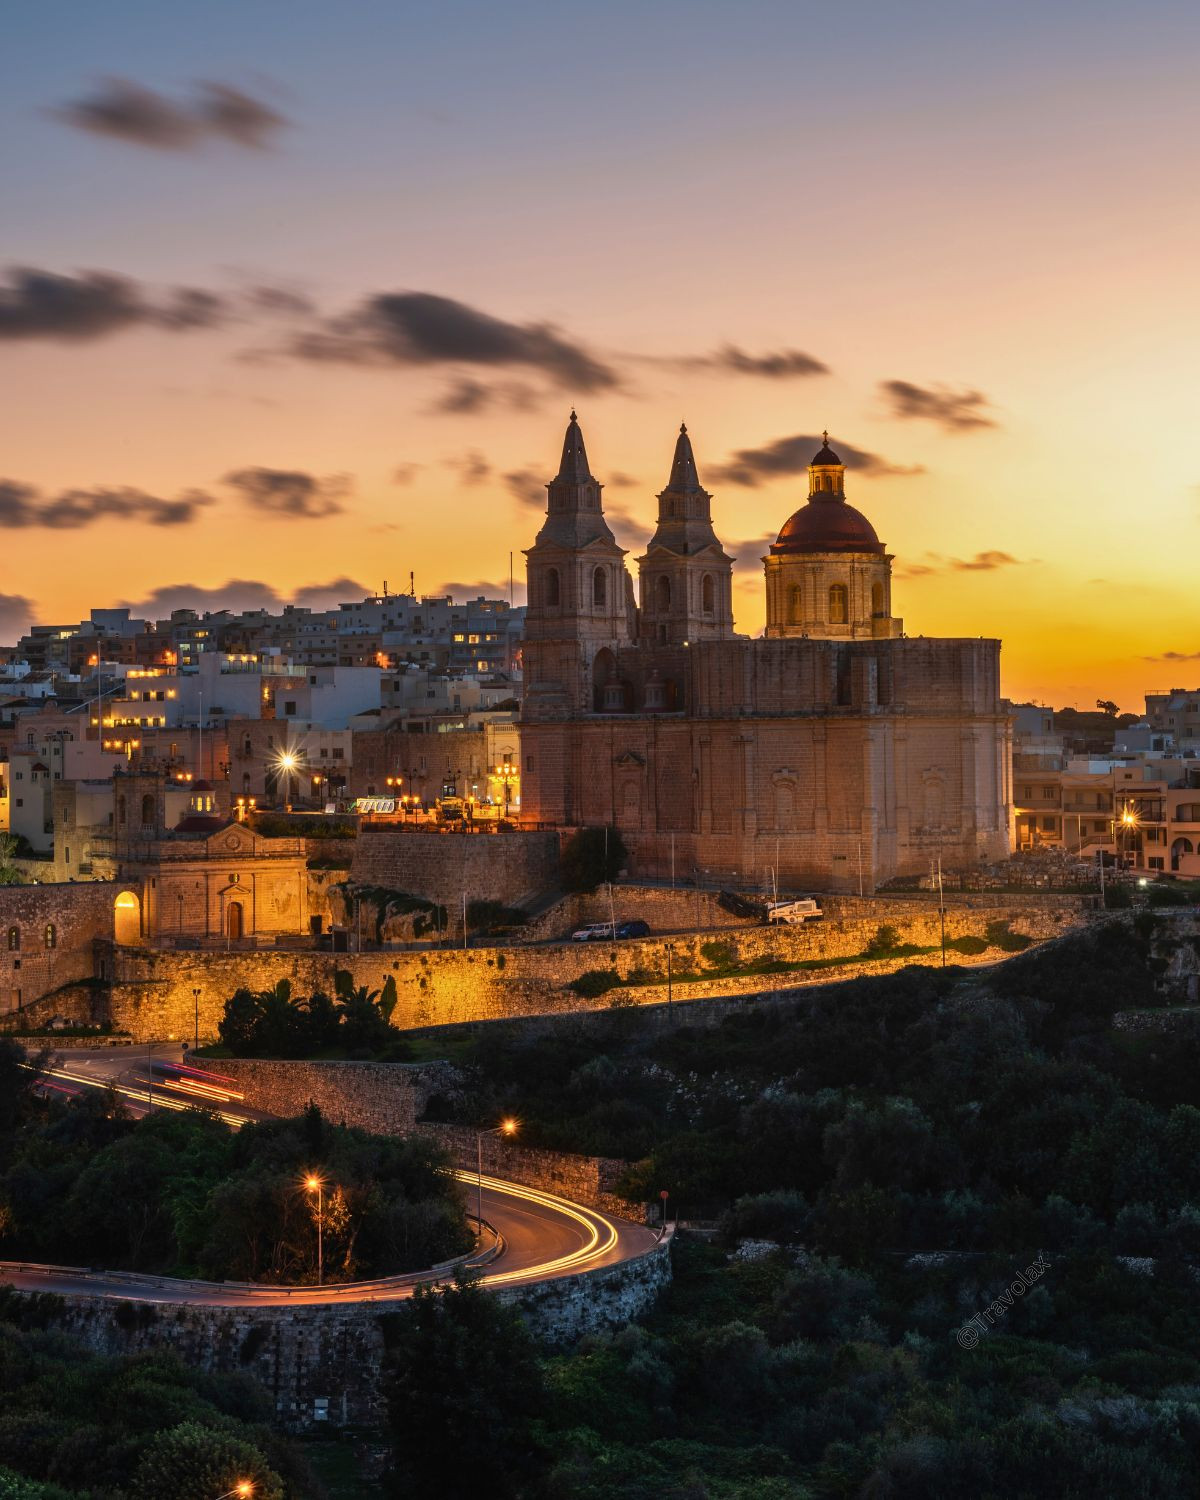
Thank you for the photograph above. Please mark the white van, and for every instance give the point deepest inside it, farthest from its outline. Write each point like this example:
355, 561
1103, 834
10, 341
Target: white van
794, 912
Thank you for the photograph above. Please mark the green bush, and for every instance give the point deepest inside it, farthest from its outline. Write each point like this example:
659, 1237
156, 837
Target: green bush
999, 936
968, 944
885, 942
594, 983
718, 953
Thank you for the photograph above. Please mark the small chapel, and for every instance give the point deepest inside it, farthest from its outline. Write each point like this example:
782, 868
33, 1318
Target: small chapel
834, 751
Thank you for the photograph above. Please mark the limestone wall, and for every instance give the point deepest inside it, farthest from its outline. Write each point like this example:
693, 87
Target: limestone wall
80, 913
390, 1098
440, 866
152, 990
311, 1358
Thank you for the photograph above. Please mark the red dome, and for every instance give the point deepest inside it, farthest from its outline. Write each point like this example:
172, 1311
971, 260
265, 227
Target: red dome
827, 524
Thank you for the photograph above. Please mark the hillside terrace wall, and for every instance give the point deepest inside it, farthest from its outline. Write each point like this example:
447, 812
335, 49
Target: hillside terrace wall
688, 909
152, 990
322, 1364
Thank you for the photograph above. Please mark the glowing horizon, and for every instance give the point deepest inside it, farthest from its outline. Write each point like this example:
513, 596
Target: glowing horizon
406, 246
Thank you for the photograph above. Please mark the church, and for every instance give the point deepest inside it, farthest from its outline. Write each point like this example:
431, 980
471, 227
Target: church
835, 751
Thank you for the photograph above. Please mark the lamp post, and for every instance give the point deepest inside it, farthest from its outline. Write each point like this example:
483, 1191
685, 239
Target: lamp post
196, 1016
670, 954
316, 1184
241, 1488
507, 1127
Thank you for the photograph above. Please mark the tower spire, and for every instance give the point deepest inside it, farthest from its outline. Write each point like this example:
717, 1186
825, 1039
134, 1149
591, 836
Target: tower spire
574, 464
684, 479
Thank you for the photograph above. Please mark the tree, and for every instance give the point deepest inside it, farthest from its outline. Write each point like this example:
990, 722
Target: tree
464, 1389
193, 1462
1107, 706
591, 856
9, 874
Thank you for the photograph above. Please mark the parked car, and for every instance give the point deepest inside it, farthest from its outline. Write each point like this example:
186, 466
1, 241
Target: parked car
635, 928
594, 932
795, 912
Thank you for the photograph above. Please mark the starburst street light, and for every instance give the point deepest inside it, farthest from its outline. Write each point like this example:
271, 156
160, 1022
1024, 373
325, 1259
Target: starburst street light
507, 1127
316, 1184
242, 1488
286, 764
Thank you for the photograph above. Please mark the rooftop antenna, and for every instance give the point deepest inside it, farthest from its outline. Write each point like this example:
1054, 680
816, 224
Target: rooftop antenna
412, 586
385, 592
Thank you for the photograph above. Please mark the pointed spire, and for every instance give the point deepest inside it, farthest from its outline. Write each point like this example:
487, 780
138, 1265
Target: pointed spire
574, 465
684, 479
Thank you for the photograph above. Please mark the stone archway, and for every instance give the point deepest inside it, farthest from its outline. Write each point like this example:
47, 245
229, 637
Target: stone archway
127, 920
235, 921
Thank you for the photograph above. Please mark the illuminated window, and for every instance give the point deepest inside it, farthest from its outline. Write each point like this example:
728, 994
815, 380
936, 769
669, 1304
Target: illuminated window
51, 935
14, 940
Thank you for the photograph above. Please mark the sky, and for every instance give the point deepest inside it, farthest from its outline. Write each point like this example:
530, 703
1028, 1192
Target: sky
296, 298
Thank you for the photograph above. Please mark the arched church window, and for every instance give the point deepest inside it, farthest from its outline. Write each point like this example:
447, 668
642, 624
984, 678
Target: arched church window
121, 809
599, 588
877, 599
147, 810
552, 588
662, 594
708, 595
838, 604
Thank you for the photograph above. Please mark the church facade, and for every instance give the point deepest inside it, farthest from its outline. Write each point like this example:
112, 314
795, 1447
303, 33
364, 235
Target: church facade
834, 750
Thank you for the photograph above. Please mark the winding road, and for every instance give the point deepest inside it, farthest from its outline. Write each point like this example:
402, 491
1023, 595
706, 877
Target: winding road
541, 1236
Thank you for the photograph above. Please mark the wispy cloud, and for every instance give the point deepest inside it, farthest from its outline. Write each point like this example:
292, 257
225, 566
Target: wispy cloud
290, 492
792, 455
23, 505
527, 485
466, 396
1174, 656
422, 328
16, 615
953, 410
982, 562
125, 111
471, 467
38, 304
240, 594
776, 364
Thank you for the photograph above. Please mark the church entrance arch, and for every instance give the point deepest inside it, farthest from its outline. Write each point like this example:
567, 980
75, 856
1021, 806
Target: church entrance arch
235, 919
127, 920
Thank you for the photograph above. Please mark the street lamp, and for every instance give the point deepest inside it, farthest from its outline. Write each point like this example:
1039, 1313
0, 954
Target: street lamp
508, 1127
286, 762
316, 1184
241, 1488
196, 1005
507, 773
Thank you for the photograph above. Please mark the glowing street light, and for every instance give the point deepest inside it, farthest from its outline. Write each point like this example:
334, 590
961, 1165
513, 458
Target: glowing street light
241, 1488
507, 1127
316, 1184
286, 763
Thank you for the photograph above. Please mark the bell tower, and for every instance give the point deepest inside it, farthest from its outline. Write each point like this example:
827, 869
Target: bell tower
685, 577
580, 596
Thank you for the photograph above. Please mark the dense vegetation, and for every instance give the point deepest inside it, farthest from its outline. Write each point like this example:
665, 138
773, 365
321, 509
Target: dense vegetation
354, 1022
75, 1426
590, 857
181, 1194
908, 1145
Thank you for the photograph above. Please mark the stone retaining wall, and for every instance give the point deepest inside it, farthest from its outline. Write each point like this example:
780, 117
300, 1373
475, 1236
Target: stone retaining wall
440, 866
333, 1354
151, 995
80, 913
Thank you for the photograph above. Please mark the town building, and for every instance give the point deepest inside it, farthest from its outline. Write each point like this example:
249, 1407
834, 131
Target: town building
835, 751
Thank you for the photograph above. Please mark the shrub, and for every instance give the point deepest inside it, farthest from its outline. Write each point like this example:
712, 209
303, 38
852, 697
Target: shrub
968, 944
999, 936
718, 954
884, 943
595, 982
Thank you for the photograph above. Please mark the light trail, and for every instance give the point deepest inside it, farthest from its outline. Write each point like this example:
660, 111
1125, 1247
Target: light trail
601, 1232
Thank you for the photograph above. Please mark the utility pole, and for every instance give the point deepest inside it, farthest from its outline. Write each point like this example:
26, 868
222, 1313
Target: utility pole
196, 1005
942, 908
670, 952
464, 904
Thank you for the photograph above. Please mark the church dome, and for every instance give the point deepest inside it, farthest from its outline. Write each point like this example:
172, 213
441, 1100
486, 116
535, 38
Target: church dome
827, 524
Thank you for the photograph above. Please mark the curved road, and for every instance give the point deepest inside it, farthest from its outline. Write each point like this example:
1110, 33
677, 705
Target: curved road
543, 1236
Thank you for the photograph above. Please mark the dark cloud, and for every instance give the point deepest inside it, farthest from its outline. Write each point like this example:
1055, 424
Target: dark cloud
21, 505
241, 594
16, 614
618, 481
779, 364
43, 305
471, 467
421, 328
290, 492
953, 410
278, 302
1175, 656
468, 395
526, 485
792, 455
484, 588
126, 111
751, 549
405, 473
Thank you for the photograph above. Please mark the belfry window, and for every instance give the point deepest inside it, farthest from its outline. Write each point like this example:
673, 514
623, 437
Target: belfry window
707, 595
599, 588
552, 589
662, 594
838, 604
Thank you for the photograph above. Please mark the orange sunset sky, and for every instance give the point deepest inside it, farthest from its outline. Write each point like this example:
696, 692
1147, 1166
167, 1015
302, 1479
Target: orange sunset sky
296, 299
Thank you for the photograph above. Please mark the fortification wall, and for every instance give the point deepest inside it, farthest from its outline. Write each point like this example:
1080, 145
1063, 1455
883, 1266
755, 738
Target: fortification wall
80, 913
440, 866
152, 991
324, 1362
